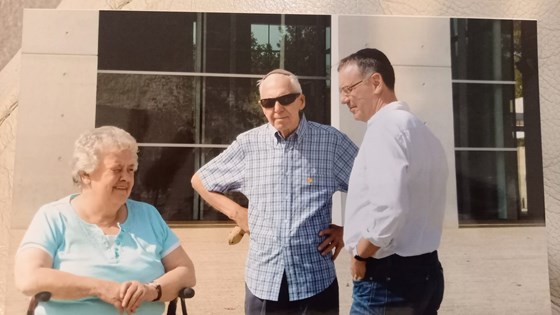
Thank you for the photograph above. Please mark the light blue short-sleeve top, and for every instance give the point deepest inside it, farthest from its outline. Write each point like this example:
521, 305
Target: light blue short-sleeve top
81, 248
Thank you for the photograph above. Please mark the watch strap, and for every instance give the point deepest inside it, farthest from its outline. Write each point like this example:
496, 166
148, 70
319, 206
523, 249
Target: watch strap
359, 258
157, 286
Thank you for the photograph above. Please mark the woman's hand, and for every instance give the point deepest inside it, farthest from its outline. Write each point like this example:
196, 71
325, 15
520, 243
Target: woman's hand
109, 292
133, 293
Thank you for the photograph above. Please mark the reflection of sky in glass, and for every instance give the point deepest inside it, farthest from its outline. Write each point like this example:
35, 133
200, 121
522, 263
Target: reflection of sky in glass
267, 34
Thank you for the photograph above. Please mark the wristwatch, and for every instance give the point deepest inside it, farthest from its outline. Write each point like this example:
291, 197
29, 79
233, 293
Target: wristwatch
359, 258
158, 290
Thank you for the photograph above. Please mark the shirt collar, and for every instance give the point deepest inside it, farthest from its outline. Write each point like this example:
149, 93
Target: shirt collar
297, 135
396, 105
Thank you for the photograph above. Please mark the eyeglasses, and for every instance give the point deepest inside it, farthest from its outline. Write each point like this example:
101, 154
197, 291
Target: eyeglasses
284, 100
348, 89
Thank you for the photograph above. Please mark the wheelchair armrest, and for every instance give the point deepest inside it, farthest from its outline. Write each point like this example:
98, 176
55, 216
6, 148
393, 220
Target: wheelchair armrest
186, 293
43, 296
34, 301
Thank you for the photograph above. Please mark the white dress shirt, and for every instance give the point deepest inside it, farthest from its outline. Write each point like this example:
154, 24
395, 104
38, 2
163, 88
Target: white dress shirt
396, 194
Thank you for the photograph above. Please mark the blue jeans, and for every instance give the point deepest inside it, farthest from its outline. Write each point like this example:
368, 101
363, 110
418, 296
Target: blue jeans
399, 289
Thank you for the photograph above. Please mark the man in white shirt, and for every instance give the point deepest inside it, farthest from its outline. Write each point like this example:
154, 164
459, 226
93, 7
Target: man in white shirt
396, 196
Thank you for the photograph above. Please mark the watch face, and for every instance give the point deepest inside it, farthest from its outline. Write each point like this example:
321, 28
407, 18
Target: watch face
359, 258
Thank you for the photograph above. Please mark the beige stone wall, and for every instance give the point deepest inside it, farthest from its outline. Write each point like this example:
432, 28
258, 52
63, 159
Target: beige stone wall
545, 12
11, 14
8, 113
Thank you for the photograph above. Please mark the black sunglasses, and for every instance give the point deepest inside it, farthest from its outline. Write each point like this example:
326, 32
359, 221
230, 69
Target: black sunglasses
284, 100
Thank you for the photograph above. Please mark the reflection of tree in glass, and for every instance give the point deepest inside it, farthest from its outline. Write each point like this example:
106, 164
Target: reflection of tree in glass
166, 101
163, 180
263, 57
518, 57
230, 109
304, 50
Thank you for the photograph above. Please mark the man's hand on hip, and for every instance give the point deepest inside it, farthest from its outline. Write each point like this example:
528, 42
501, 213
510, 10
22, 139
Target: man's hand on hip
333, 240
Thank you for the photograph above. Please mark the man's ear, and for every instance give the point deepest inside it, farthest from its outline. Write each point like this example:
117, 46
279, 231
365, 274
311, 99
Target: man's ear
377, 79
302, 106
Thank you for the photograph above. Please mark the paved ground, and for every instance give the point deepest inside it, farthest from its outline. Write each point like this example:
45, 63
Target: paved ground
488, 271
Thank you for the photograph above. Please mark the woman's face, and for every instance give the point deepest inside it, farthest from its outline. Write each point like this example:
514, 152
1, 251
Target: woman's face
113, 178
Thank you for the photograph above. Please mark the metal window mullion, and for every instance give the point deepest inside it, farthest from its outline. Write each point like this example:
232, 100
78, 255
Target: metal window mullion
480, 149
494, 82
204, 74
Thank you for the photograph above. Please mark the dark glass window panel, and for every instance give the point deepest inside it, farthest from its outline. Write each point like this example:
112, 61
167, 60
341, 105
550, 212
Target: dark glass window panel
482, 49
163, 179
484, 115
307, 44
182, 109
152, 108
228, 42
527, 66
487, 186
250, 43
317, 100
148, 41
231, 107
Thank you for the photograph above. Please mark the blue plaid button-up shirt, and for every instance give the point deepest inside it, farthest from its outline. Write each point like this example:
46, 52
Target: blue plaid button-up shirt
289, 184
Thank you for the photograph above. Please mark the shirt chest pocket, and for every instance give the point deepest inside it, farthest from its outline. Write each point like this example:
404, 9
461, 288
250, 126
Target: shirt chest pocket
316, 178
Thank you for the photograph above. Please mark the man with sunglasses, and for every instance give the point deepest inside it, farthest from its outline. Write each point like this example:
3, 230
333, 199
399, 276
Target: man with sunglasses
289, 169
396, 197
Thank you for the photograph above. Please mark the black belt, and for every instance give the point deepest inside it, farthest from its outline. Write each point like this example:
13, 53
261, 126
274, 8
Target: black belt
394, 264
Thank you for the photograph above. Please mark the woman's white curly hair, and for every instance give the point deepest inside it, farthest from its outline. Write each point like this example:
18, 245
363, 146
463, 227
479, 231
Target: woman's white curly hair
92, 145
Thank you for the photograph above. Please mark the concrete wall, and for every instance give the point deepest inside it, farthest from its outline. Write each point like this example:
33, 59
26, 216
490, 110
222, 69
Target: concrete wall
546, 12
11, 17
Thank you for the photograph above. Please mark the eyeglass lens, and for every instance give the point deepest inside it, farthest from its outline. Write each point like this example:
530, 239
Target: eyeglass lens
284, 100
348, 89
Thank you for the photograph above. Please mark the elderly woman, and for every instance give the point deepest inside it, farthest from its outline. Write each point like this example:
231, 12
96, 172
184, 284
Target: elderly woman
99, 252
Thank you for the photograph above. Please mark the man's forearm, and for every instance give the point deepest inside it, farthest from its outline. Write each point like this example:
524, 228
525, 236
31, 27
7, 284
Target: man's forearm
365, 248
221, 203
